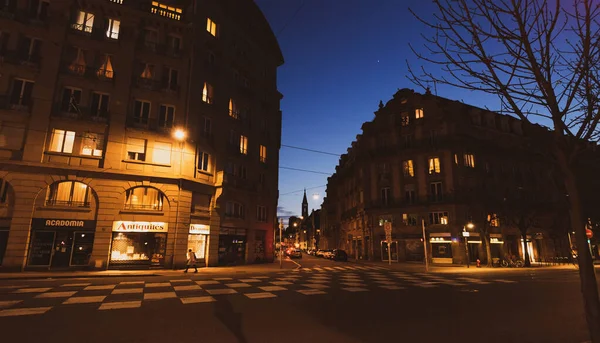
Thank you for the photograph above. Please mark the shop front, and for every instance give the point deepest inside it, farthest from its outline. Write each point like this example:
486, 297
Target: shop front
198, 238
496, 247
60, 243
441, 247
232, 246
138, 244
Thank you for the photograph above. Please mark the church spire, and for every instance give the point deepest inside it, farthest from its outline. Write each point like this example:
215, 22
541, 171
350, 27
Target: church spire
304, 205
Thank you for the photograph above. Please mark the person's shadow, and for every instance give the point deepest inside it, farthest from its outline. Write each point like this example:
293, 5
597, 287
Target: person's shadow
232, 320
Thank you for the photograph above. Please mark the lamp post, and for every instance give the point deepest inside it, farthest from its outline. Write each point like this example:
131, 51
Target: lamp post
466, 234
280, 245
179, 135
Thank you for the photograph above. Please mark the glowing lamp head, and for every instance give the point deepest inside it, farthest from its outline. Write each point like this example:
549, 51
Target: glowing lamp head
470, 225
179, 134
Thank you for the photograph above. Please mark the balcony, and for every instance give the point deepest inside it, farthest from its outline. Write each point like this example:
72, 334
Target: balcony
82, 113
27, 17
148, 84
67, 203
16, 104
88, 72
17, 57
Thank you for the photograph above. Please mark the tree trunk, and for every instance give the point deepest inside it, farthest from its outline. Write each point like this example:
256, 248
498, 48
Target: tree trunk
488, 248
589, 286
526, 257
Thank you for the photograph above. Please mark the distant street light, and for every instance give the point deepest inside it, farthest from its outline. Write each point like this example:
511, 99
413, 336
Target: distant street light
179, 134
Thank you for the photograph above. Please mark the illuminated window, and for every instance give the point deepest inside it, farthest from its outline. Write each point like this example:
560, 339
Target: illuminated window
409, 219
203, 161
147, 72
84, 21
68, 193
207, 93
144, 198
70, 101
120, 2
407, 167
234, 209
434, 165
211, 27
166, 11
243, 144
136, 149
92, 144
161, 153
166, 116
263, 153
455, 158
438, 218
493, 220
261, 213
112, 29
141, 111
419, 113
469, 160
405, 119
106, 69
62, 141
233, 110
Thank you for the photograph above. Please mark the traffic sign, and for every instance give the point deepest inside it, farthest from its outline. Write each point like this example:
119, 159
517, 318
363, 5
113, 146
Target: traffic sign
589, 233
387, 226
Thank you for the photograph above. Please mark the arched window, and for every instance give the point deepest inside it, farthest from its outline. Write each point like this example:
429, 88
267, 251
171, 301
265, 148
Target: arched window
144, 198
68, 193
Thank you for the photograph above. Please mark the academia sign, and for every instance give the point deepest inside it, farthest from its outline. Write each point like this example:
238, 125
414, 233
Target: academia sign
53, 223
121, 226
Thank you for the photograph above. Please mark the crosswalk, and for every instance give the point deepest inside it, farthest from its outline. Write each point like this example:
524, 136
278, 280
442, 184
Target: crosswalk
41, 298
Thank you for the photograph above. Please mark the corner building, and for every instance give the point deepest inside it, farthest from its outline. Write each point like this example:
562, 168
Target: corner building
131, 131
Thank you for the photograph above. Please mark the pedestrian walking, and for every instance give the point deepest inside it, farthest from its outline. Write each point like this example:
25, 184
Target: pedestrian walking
191, 261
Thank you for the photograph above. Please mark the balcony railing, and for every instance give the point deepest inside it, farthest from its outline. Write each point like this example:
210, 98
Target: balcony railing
144, 207
88, 72
81, 113
17, 57
149, 84
67, 203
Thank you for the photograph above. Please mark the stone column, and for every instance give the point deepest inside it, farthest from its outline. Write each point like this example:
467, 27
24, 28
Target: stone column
215, 226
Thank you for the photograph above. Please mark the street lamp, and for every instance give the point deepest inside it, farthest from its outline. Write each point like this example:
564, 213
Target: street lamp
179, 134
466, 234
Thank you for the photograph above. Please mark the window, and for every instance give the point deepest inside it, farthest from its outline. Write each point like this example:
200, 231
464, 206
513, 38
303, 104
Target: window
173, 44
68, 193
438, 218
62, 141
405, 119
408, 139
230, 168
261, 213
166, 11
242, 172
234, 209
144, 198
84, 21
233, 110
203, 161
469, 160
39, 9
432, 137
21, 93
147, 71
166, 116
106, 69
435, 191
99, 104
120, 2
161, 153
92, 144
150, 39
493, 220
385, 196
211, 58
261, 178
136, 149
171, 79
211, 27
408, 169
263, 154
409, 219
207, 93
70, 100
207, 126
434, 165
409, 194
11, 136
112, 28
30, 49
418, 113
141, 111
456, 159
243, 145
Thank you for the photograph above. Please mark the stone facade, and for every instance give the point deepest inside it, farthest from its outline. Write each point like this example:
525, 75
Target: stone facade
137, 111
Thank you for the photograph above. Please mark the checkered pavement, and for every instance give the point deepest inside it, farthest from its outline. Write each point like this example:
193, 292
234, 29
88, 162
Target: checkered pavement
40, 298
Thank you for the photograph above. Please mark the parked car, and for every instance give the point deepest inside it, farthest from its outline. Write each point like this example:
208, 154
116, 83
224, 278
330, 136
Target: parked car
328, 254
319, 253
293, 253
340, 255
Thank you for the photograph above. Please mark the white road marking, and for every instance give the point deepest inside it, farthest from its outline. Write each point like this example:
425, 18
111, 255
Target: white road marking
75, 284
55, 295
187, 288
392, 287
354, 284
260, 295
383, 282
24, 311
250, 280
238, 285
9, 303
221, 291
98, 288
158, 284
317, 281
132, 283
32, 290
315, 285
180, 281
207, 282
195, 300
318, 269
273, 288
261, 277
85, 300
159, 295
505, 281
282, 283
120, 305
306, 269
355, 289
223, 279
127, 291
310, 291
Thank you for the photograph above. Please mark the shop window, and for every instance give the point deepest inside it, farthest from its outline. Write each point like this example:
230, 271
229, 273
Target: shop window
166, 116
434, 165
112, 28
92, 144
261, 213
144, 198
438, 218
243, 145
234, 209
469, 160
211, 27
62, 141
84, 21
161, 153
408, 168
68, 193
198, 245
136, 149
138, 248
207, 93
203, 162
263, 154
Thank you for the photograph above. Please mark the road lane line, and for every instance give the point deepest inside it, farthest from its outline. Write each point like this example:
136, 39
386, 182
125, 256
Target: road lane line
260, 295
196, 300
120, 305
24, 311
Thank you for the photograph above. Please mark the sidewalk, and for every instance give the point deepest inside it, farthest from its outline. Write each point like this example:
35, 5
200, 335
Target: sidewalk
252, 268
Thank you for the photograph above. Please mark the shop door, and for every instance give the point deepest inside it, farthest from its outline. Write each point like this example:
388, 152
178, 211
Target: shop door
83, 242
63, 245
473, 252
41, 248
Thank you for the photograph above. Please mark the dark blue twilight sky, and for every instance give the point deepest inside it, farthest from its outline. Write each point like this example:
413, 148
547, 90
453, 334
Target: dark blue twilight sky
341, 58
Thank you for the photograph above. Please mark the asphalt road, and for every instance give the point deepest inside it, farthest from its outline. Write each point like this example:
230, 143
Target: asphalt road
324, 301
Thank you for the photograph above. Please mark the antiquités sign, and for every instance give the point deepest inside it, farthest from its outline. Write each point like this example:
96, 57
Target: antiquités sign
52, 223
121, 226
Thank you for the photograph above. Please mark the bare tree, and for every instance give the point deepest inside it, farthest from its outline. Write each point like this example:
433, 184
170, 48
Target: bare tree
542, 58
